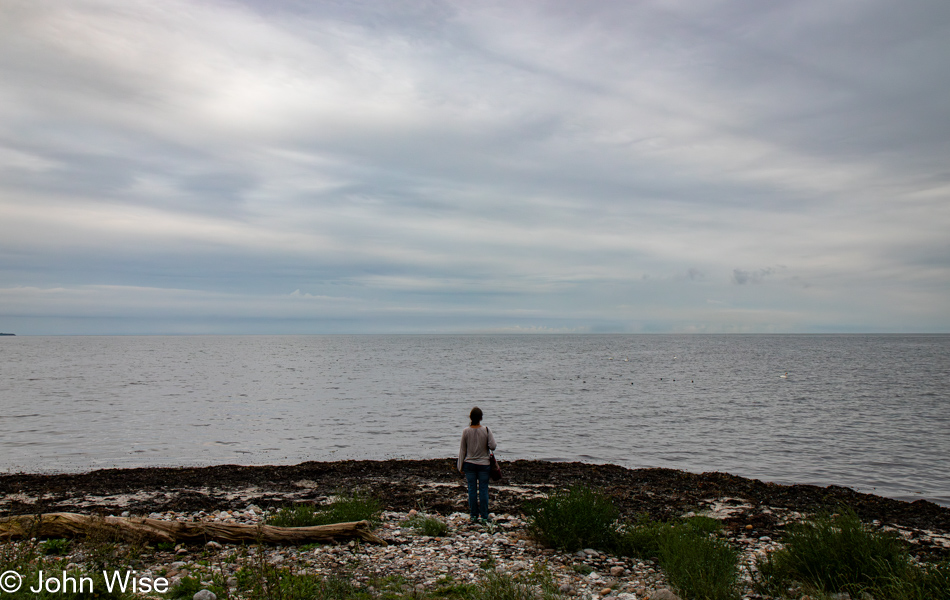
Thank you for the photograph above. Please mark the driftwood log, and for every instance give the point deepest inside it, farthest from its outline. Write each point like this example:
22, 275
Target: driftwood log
69, 525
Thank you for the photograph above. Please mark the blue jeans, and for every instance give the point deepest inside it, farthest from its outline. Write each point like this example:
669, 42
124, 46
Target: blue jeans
477, 476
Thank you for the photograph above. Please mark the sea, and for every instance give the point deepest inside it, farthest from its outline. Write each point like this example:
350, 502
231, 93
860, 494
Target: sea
869, 412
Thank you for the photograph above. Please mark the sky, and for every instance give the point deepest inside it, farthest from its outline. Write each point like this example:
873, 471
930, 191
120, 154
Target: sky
667, 166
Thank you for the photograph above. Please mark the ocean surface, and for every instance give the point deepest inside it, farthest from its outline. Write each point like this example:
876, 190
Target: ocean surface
871, 412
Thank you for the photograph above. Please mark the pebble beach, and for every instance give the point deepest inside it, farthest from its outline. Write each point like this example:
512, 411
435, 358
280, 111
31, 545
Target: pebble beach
753, 514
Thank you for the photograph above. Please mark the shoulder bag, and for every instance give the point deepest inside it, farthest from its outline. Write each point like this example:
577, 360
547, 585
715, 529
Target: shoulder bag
494, 471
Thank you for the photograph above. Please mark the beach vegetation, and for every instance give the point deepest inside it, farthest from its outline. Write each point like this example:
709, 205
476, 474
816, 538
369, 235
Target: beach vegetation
263, 581
28, 557
583, 569
188, 586
697, 562
426, 525
267, 582
56, 546
573, 519
644, 537
354, 506
538, 584
447, 587
837, 553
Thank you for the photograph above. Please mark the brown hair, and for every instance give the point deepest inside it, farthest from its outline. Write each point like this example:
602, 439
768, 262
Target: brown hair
476, 416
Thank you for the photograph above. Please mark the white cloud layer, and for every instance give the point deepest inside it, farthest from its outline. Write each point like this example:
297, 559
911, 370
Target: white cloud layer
222, 166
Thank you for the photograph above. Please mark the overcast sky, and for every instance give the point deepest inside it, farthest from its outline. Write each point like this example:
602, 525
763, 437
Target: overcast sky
318, 167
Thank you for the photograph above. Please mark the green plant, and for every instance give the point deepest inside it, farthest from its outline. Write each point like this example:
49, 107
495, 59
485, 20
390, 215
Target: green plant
58, 546
641, 539
27, 559
310, 546
187, 587
500, 586
262, 581
926, 582
836, 553
446, 587
541, 576
582, 569
706, 525
578, 518
353, 507
699, 565
695, 561
429, 526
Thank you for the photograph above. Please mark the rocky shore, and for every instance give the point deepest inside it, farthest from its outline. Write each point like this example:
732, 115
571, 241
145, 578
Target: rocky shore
754, 514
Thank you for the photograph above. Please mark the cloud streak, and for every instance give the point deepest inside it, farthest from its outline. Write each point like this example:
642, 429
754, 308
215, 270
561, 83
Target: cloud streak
540, 167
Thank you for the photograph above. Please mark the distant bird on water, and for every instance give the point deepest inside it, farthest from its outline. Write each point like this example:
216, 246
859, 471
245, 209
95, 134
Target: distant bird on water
785, 376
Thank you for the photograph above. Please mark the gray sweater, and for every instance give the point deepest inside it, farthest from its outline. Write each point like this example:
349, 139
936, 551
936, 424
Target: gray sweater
475, 445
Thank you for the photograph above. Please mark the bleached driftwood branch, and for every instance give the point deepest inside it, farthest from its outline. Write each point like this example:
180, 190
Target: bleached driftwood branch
69, 525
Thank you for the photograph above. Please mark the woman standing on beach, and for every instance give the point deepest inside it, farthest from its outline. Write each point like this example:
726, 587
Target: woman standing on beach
477, 441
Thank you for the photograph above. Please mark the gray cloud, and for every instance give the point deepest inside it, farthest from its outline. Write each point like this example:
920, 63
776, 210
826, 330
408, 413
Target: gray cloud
743, 277
545, 165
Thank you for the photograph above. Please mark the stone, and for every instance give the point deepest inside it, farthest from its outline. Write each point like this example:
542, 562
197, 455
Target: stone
605, 592
204, 595
617, 571
213, 545
664, 594
566, 588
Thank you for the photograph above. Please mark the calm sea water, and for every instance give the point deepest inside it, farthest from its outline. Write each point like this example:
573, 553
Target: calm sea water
870, 412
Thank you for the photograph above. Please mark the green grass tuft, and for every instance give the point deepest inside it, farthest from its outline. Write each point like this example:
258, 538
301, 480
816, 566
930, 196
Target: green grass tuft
347, 508
575, 519
429, 526
839, 553
696, 562
835, 554
538, 585
699, 565
57, 546
266, 582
